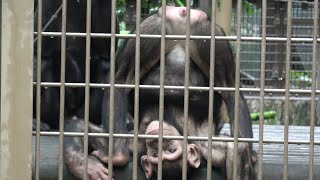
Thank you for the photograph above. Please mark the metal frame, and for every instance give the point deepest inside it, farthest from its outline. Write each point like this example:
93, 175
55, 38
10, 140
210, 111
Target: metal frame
16, 88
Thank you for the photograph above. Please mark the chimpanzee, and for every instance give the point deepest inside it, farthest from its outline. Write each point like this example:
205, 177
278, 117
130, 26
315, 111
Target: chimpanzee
221, 152
75, 59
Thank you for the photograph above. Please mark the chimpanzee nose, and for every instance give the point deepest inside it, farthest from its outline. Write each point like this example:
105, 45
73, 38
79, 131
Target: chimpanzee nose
183, 11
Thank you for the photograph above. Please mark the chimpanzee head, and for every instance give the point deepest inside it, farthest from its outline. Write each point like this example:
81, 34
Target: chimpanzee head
171, 155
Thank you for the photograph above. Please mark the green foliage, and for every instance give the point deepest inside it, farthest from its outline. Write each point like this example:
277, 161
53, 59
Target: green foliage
248, 7
301, 78
179, 3
219, 4
121, 3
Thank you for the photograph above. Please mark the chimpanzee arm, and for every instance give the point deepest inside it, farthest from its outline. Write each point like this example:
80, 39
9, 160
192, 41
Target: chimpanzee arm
149, 56
49, 95
120, 145
150, 51
224, 73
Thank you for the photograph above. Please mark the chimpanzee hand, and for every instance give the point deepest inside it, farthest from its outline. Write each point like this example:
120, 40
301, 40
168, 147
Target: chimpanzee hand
96, 170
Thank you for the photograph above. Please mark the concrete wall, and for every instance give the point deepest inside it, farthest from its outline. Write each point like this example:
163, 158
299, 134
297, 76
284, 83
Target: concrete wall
16, 89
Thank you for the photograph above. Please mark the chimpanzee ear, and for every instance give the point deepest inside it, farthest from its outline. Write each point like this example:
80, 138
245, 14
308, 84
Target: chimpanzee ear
147, 166
194, 157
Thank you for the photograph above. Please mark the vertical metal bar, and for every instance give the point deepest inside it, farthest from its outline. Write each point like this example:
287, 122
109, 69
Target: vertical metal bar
16, 89
186, 95
38, 98
161, 96
211, 86
136, 88
87, 89
287, 88
62, 88
262, 85
237, 92
112, 81
314, 86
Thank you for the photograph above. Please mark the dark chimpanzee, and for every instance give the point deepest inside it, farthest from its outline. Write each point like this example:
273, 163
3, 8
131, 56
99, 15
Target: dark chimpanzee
221, 152
75, 59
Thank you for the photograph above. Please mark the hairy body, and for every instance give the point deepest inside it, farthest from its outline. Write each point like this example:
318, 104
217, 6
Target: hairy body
175, 51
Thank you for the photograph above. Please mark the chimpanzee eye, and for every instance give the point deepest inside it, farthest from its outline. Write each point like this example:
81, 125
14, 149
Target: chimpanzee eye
172, 150
155, 155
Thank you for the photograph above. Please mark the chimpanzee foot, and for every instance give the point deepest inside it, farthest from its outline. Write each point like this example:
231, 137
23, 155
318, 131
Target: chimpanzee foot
244, 161
254, 157
118, 159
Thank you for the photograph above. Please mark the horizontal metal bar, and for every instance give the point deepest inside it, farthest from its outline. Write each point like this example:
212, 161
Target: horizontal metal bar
178, 37
251, 90
193, 138
293, 97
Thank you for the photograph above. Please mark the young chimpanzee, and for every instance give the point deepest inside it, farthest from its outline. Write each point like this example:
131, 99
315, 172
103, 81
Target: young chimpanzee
221, 152
75, 59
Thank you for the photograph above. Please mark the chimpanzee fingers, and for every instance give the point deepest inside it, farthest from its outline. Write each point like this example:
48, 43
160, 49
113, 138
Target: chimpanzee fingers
96, 170
102, 156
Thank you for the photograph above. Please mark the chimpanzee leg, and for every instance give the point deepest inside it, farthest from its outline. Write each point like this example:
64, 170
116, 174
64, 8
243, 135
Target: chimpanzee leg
150, 52
245, 123
224, 74
245, 170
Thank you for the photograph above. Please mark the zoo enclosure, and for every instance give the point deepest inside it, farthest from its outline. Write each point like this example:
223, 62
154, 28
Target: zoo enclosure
25, 111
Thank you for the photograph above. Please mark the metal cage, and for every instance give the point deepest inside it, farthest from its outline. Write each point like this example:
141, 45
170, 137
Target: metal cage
276, 53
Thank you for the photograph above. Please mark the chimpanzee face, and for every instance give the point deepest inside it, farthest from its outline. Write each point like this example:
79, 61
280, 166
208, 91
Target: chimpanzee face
172, 150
